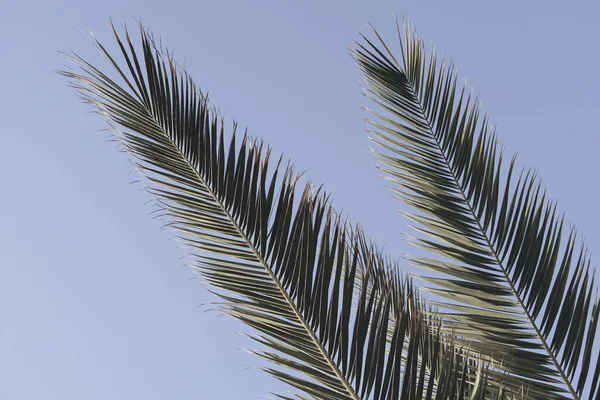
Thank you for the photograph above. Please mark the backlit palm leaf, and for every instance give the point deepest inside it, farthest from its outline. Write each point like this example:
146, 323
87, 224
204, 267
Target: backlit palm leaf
320, 296
519, 284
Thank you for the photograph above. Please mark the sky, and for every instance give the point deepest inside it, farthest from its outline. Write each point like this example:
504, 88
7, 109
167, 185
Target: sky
95, 302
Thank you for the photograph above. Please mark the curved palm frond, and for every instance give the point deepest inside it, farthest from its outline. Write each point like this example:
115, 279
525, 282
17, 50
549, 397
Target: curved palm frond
320, 295
521, 286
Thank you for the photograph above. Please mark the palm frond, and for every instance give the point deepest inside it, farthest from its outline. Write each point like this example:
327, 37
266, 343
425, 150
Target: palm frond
319, 294
517, 281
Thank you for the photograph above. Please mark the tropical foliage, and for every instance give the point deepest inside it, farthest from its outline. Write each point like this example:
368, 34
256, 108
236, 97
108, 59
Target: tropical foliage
514, 308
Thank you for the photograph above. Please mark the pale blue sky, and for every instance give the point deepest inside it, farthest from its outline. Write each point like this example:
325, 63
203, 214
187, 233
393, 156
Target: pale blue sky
94, 300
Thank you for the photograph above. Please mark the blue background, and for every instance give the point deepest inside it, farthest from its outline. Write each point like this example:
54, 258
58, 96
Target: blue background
95, 303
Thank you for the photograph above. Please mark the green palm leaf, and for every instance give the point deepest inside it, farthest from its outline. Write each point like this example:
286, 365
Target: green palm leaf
320, 296
520, 286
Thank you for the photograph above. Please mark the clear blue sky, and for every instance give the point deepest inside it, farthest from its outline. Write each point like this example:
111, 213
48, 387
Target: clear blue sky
95, 302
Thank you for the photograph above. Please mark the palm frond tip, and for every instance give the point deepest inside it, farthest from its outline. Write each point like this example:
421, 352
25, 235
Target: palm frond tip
522, 287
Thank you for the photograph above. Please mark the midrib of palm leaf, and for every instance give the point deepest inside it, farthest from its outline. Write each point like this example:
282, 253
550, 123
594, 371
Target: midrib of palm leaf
488, 243
492, 249
282, 291
286, 297
369, 61
484, 234
259, 258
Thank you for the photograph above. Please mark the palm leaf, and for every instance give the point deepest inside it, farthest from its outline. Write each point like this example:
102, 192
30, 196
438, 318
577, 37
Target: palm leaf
517, 280
319, 295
